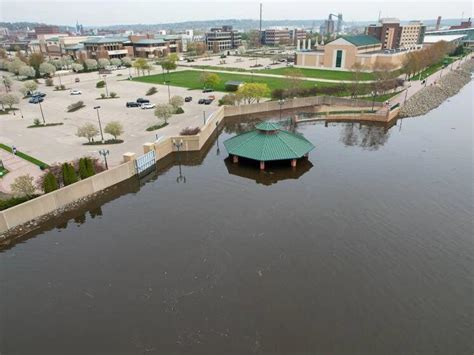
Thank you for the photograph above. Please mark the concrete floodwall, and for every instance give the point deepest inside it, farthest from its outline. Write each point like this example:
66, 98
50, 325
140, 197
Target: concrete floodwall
52, 201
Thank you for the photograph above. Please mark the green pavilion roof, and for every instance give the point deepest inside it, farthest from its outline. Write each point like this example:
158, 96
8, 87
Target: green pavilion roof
268, 142
362, 40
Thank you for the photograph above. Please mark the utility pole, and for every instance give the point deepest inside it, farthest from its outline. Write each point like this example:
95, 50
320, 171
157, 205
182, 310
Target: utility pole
260, 31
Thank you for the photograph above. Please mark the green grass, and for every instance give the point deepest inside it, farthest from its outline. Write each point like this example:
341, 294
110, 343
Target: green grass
3, 172
157, 126
318, 73
191, 79
216, 67
35, 161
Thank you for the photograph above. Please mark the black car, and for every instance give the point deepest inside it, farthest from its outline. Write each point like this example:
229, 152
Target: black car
201, 101
208, 90
208, 101
133, 104
36, 100
188, 99
143, 101
37, 94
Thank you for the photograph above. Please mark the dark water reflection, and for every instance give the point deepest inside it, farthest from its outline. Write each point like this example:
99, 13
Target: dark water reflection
368, 250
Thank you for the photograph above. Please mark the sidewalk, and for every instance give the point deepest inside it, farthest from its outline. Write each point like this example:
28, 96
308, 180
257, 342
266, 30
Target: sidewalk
16, 167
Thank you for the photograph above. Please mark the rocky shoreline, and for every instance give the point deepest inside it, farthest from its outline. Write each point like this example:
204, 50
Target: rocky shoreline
432, 96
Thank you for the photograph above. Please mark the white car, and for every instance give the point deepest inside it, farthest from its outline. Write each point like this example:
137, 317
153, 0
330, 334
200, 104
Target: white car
147, 106
75, 92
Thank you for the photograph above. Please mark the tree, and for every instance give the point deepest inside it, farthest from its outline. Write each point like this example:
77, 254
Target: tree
7, 82
23, 186
254, 39
116, 61
86, 168
168, 64
164, 111
76, 67
253, 92
229, 99
3, 53
114, 128
9, 100
127, 61
27, 71
88, 131
90, 64
28, 87
35, 61
47, 69
141, 64
177, 102
103, 62
50, 183
356, 77
15, 65
210, 80
69, 174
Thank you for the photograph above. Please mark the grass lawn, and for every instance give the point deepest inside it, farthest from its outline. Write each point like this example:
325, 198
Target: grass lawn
35, 161
319, 73
191, 79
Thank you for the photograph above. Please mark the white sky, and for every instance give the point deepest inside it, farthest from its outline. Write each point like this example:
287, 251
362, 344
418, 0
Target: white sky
107, 12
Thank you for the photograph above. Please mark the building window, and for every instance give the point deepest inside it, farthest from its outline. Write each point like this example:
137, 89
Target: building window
338, 58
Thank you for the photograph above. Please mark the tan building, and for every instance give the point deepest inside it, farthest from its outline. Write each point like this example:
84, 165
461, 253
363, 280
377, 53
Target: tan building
344, 52
412, 35
393, 35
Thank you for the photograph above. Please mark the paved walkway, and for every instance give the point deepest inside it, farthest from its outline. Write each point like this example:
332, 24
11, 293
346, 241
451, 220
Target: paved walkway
16, 167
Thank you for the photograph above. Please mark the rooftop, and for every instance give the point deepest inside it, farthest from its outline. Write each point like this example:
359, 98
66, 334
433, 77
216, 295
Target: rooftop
362, 40
268, 142
446, 38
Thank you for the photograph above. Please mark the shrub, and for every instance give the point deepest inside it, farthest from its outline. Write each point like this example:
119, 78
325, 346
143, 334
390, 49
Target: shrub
75, 106
102, 96
4, 204
178, 111
190, 131
23, 186
69, 174
62, 87
50, 183
151, 91
36, 122
113, 94
49, 82
100, 84
86, 168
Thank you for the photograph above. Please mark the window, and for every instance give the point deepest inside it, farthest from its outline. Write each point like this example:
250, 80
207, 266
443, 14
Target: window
338, 58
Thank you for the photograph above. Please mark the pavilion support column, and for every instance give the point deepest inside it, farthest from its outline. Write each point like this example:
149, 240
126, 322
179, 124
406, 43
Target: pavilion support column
293, 163
262, 165
235, 159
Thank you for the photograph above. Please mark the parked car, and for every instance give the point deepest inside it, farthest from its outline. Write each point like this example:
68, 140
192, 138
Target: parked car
201, 101
207, 90
36, 94
141, 100
75, 92
36, 100
132, 104
188, 99
147, 106
208, 101
268, 67
76, 80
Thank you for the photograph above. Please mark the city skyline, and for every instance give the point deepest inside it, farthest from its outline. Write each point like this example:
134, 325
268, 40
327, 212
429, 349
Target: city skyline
67, 13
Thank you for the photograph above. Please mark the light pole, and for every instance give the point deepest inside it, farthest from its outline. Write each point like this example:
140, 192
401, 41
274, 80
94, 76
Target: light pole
106, 88
60, 83
373, 93
178, 145
204, 116
406, 94
42, 114
100, 124
281, 102
104, 153
169, 94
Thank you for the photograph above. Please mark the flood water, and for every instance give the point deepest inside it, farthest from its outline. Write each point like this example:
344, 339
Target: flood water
366, 248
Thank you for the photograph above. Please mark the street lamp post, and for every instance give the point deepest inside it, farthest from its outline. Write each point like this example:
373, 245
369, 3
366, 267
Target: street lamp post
100, 124
406, 94
104, 153
169, 94
106, 88
204, 116
178, 145
281, 102
42, 114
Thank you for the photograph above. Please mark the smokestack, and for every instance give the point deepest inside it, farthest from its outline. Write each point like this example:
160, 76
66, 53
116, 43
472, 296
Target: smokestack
260, 32
438, 23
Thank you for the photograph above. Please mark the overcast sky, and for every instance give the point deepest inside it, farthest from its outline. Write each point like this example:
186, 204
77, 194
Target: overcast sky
107, 12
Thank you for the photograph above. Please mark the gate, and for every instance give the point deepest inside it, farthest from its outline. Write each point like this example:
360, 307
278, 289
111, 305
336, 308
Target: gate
145, 163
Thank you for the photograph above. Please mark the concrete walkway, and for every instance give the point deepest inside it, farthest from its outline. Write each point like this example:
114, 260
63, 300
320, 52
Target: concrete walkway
16, 167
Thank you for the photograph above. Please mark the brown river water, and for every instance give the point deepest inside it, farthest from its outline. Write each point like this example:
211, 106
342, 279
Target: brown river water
366, 248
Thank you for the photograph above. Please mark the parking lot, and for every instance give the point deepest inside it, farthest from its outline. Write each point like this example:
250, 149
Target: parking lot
60, 143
